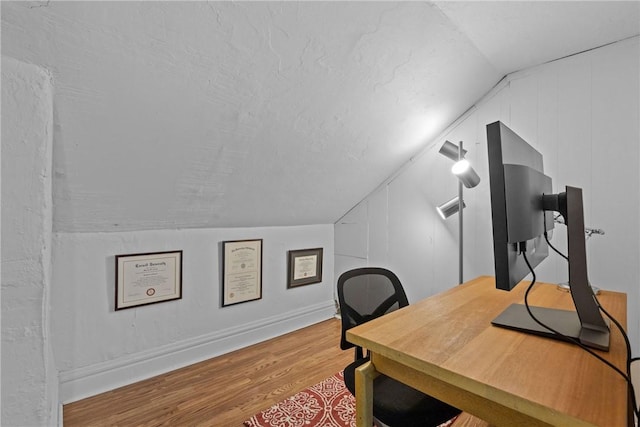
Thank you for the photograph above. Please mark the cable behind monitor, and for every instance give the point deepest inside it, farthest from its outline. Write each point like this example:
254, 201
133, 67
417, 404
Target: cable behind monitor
626, 377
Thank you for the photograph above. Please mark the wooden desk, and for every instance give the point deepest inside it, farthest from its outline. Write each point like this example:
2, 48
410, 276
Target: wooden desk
446, 346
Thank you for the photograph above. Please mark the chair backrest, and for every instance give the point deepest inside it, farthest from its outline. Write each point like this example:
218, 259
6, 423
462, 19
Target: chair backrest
367, 293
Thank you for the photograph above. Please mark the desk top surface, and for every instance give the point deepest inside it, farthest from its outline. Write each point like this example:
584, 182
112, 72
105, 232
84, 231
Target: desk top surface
450, 337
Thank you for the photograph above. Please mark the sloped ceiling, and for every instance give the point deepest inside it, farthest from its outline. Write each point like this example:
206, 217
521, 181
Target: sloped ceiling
218, 114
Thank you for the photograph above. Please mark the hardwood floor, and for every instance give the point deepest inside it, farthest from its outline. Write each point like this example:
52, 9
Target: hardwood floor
223, 391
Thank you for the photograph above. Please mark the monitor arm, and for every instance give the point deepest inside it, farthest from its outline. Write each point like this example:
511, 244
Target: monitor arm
556, 203
569, 204
586, 324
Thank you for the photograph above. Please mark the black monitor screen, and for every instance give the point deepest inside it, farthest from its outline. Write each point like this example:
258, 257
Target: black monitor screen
519, 221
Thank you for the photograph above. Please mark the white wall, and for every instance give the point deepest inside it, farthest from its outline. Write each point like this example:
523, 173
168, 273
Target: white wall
97, 348
29, 377
582, 113
62, 340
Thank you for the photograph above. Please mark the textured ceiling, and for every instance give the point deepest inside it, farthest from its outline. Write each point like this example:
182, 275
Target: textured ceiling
216, 114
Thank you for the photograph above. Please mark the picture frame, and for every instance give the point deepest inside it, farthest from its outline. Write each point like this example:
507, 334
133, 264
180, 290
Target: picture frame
241, 271
304, 267
148, 278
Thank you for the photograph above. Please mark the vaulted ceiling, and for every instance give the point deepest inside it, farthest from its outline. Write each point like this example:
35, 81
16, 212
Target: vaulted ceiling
219, 114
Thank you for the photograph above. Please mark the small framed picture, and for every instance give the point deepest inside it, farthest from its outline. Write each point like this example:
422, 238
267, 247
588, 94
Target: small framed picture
304, 267
241, 271
148, 278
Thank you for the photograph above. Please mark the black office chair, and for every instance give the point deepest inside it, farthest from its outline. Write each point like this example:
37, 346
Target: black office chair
365, 294
634, 370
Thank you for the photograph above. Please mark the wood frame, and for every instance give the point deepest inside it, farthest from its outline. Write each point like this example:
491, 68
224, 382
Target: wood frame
148, 278
241, 271
304, 267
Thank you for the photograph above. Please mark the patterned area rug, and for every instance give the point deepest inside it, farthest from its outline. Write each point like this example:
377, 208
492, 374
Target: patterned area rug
326, 404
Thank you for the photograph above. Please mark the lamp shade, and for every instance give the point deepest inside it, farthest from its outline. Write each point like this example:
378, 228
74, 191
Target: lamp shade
450, 207
450, 150
465, 173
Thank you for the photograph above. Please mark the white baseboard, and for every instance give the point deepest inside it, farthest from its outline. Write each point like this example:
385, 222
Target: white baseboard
88, 381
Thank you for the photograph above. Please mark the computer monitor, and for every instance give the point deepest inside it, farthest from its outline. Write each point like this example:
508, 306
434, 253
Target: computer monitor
522, 207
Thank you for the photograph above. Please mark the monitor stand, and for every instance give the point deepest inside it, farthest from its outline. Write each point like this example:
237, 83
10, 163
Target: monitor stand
516, 317
586, 324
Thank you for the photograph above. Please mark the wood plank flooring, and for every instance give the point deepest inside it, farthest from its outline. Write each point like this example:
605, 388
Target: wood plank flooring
223, 391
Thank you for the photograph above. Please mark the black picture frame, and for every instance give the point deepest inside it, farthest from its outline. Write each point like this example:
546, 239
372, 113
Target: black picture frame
147, 278
241, 271
304, 267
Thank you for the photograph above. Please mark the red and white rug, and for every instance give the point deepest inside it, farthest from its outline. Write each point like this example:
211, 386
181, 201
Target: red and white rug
326, 404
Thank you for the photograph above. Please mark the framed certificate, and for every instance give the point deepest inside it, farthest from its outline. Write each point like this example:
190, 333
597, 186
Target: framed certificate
241, 271
148, 278
304, 267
